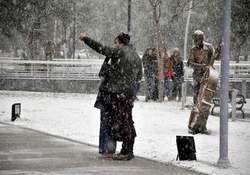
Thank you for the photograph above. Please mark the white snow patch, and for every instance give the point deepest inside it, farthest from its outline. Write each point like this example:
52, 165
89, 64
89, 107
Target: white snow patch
157, 124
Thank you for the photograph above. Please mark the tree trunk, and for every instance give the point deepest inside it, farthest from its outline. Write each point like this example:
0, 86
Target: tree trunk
160, 48
235, 51
65, 40
30, 46
186, 31
160, 56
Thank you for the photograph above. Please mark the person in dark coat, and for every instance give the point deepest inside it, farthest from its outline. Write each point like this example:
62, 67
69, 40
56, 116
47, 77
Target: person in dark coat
178, 74
149, 60
168, 76
49, 50
107, 145
124, 72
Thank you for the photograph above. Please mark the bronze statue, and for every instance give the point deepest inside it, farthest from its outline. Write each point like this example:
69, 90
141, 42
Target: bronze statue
201, 59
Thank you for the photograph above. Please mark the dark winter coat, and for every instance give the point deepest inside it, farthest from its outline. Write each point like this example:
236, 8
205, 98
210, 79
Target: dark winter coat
149, 60
122, 68
178, 70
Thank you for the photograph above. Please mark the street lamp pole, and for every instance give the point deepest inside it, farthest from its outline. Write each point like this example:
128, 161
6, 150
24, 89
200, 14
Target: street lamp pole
184, 85
223, 157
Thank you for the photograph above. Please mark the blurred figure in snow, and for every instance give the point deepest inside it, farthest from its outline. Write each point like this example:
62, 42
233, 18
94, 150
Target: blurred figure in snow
178, 74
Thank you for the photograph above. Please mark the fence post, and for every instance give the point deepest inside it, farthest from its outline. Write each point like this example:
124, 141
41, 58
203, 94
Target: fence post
233, 103
244, 88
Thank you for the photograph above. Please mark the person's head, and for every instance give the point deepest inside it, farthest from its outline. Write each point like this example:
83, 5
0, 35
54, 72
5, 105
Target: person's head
176, 52
176, 55
121, 40
198, 38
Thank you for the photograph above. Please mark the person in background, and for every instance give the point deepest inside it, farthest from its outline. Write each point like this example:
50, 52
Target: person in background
49, 50
168, 74
149, 61
23, 54
178, 74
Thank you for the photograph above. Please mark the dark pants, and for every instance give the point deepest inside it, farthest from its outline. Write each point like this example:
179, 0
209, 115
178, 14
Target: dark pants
130, 133
168, 84
106, 143
151, 87
123, 116
177, 88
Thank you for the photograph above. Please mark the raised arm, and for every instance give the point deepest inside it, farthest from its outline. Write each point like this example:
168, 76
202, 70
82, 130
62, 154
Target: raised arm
98, 47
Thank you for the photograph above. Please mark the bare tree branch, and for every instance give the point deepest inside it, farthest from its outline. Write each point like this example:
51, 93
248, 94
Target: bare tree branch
152, 3
158, 2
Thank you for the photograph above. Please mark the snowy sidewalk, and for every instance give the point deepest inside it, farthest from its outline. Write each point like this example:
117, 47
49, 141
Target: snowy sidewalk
24, 151
157, 124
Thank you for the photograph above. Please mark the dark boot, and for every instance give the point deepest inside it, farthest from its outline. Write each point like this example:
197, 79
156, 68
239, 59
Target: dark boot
120, 156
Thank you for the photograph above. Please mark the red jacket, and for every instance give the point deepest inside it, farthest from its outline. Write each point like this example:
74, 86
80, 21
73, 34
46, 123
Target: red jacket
168, 67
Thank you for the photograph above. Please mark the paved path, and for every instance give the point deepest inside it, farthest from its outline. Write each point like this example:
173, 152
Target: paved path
24, 151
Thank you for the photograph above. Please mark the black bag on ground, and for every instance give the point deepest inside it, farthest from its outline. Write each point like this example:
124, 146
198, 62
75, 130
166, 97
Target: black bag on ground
186, 148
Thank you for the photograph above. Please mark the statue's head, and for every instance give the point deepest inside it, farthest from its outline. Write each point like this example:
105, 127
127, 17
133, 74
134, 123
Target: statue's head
198, 38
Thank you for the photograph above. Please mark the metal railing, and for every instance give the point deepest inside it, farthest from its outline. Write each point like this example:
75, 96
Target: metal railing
63, 69
87, 69
237, 73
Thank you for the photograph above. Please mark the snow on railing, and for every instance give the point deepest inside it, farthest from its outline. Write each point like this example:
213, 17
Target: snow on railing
237, 72
88, 69
63, 69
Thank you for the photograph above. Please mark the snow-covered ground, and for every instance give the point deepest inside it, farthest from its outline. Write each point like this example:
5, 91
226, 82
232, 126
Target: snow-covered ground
157, 124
